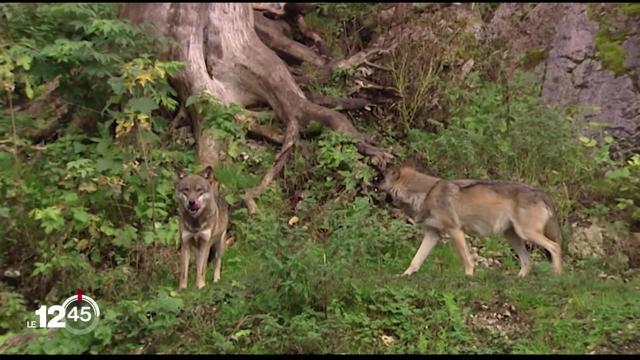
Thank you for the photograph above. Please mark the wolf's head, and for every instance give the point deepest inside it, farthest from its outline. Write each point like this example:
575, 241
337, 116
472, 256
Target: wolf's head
396, 176
195, 192
404, 186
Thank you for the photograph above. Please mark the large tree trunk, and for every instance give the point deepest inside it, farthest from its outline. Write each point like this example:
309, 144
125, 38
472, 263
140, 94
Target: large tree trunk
225, 57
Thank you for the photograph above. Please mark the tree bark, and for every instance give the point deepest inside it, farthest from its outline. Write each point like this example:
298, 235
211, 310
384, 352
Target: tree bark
224, 57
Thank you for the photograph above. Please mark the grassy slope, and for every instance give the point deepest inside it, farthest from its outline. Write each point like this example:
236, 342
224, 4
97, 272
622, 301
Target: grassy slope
432, 312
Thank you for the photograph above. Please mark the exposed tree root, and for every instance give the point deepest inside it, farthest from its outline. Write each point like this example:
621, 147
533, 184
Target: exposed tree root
225, 57
290, 138
266, 133
269, 33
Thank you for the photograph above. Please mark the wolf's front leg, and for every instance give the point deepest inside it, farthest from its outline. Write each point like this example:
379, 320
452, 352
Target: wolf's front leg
429, 241
217, 260
201, 263
184, 264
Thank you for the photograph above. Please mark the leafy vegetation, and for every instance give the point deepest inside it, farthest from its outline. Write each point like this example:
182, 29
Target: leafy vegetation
533, 57
612, 30
610, 52
315, 270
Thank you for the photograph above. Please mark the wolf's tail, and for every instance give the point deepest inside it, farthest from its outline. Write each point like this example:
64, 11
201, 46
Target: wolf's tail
552, 227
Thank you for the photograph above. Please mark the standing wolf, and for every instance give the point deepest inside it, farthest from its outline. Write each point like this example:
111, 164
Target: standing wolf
203, 220
481, 207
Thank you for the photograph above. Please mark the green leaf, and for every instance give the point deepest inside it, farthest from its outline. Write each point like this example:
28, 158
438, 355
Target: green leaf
148, 237
143, 105
107, 229
125, 236
103, 146
28, 90
24, 61
87, 186
588, 142
81, 215
191, 100
70, 197
105, 163
617, 174
243, 332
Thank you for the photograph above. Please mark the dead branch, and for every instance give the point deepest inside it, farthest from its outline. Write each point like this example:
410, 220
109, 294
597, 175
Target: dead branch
275, 39
377, 66
389, 91
180, 119
290, 138
332, 102
383, 45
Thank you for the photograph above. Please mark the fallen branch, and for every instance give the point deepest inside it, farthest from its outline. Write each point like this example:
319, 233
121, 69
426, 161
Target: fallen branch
379, 67
362, 85
384, 44
435, 123
332, 102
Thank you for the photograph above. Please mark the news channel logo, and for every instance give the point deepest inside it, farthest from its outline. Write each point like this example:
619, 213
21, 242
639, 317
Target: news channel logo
78, 314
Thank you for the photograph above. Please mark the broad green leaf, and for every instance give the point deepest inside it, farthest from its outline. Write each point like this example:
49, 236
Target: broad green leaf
191, 100
143, 105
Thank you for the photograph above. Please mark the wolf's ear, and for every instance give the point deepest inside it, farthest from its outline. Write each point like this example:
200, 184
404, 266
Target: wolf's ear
207, 173
395, 174
409, 163
392, 173
180, 173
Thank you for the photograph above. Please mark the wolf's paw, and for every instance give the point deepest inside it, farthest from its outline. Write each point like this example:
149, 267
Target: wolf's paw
523, 273
200, 285
468, 272
407, 273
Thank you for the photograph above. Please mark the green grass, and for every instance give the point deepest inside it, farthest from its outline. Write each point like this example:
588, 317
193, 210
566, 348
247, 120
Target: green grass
610, 52
630, 9
570, 313
533, 57
430, 312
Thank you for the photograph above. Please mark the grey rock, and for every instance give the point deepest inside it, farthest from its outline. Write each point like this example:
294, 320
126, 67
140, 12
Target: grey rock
572, 75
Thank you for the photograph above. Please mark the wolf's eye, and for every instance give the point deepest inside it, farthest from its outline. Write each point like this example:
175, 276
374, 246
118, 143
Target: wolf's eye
200, 190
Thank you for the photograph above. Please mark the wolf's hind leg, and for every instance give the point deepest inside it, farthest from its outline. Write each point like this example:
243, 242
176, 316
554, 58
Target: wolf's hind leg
217, 259
457, 235
519, 247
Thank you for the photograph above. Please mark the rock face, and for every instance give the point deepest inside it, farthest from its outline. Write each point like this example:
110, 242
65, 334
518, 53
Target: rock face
586, 242
571, 74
